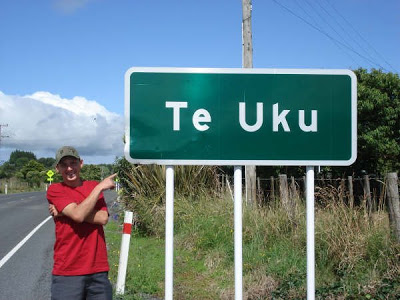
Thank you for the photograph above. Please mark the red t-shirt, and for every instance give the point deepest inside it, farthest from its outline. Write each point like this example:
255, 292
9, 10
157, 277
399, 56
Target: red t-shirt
80, 248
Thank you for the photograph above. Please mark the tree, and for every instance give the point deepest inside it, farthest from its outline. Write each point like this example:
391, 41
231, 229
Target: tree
31, 166
91, 172
35, 177
21, 162
18, 154
7, 170
47, 162
378, 122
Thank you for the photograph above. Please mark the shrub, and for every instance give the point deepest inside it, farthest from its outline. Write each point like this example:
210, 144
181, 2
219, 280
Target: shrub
144, 190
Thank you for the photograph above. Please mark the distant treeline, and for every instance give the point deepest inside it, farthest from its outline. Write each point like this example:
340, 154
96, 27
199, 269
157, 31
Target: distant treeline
23, 166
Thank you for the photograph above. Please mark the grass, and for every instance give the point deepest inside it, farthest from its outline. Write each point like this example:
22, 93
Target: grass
356, 258
145, 265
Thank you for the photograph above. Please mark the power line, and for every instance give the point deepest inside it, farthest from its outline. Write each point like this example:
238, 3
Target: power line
316, 25
361, 37
344, 30
330, 25
329, 36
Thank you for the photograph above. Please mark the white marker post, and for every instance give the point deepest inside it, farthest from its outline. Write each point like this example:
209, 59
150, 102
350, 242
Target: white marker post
310, 234
123, 258
238, 233
169, 233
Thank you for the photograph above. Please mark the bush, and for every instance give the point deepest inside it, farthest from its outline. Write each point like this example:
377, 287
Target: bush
144, 190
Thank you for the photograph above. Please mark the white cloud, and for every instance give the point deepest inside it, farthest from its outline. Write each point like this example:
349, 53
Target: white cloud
43, 122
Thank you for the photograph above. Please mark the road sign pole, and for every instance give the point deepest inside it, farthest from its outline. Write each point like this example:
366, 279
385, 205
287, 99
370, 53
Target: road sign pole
238, 233
310, 234
169, 233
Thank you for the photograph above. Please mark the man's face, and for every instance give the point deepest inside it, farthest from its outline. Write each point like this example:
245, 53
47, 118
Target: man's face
69, 168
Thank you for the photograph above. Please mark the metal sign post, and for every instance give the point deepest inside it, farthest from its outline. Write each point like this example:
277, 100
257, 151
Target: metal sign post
310, 233
169, 233
238, 233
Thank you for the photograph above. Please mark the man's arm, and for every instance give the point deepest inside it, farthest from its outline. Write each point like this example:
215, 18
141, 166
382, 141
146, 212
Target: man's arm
95, 217
80, 212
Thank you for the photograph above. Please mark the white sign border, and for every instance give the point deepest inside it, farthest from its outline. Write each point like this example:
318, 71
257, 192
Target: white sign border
244, 71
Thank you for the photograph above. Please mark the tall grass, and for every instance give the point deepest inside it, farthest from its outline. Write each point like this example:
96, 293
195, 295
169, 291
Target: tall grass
356, 257
144, 190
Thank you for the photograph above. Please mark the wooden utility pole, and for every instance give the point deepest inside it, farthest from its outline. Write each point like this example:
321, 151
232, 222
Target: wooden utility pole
247, 36
250, 171
3, 136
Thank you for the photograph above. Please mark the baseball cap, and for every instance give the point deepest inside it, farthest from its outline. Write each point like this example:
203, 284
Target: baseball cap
66, 151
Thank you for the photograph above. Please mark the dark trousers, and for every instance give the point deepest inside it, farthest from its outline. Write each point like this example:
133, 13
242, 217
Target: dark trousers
93, 286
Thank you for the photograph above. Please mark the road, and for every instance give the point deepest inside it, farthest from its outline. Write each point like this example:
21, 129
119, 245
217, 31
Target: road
27, 274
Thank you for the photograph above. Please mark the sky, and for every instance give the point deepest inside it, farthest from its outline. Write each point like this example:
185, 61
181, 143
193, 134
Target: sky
62, 62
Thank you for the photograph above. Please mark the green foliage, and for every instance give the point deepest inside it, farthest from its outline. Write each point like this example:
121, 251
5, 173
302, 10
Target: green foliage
205, 224
149, 180
22, 162
378, 122
18, 155
24, 167
34, 178
32, 172
7, 170
47, 162
144, 189
31, 166
106, 170
146, 258
91, 172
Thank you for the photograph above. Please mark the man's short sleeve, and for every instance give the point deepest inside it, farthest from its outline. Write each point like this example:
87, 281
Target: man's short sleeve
57, 196
101, 203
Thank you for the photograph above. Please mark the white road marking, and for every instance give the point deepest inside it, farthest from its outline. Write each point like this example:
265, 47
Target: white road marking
21, 243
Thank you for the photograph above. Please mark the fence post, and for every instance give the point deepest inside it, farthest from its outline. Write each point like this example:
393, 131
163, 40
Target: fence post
283, 190
123, 258
259, 192
272, 197
393, 203
288, 204
367, 194
5, 189
351, 192
292, 190
342, 190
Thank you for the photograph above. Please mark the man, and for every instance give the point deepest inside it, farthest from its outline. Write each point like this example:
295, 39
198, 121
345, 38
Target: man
80, 256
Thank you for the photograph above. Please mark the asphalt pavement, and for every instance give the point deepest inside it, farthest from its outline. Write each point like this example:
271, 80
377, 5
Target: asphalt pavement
26, 275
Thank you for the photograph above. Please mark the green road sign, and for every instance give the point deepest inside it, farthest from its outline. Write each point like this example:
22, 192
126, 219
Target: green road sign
184, 116
50, 173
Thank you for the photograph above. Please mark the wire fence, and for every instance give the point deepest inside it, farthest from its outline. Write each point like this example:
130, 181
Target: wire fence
352, 190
